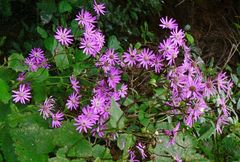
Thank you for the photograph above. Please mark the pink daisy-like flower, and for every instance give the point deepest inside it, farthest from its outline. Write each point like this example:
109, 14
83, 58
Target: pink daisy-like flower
37, 54
145, 58
21, 76
177, 37
141, 148
130, 57
114, 77
172, 133
171, 56
209, 88
168, 23
99, 8
111, 57
123, 91
223, 84
73, 101
194, 88
157, 63
32, 65
74, 84
23, 95
89, 46
56, 119
166, 47
221, 121
132, 156
98, 103
84, 18
90, 114
64, 36
83, 123
46, 107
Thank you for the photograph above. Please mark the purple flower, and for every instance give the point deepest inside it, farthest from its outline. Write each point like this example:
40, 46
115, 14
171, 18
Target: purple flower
177, 37
73, 101
32, 65
74, 84
130, 57
132, 156
90, 114
172, 133
171, 56
145, 58
56, 119
99, 8
123, 91
111, 57
64, 36
84, 18
98, 103
89, 46
23, 95
46, 107
194, 88
99, 130
209, 88
83, 123
37, 54
157, 63
141, 148
21, 76
223, 84
221, 121
168, 23
114, 77
166, 47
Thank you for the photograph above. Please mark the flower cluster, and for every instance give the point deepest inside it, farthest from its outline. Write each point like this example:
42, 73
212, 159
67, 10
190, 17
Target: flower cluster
46, 110
36, 59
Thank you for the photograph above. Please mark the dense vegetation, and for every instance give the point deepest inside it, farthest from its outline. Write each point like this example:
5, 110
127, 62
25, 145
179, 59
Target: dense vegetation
115, 81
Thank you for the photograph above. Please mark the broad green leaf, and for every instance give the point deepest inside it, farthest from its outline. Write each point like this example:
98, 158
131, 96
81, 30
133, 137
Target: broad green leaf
6, 145
58, 159
238, 104
50, 44
101, 152
66, 135
32, 143
81, 149
4, 92
116, 116
125, 142
207, 132
16, 62
114, 43
235, 79
7, 74
64, 6
39, 76
42, 32
39, 93
61, 60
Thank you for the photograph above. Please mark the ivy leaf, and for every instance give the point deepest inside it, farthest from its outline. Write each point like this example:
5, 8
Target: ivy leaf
101, 152
189, 38
64, 6
39, 93
42, 32
16, 62
116, 116
81, 149
124, 142
50, 44
114, 43
4, 92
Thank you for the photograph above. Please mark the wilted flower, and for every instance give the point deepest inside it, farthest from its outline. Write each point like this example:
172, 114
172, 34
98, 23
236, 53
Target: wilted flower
46, 107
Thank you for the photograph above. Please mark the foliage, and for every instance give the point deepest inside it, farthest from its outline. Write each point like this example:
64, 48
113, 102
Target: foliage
141, 118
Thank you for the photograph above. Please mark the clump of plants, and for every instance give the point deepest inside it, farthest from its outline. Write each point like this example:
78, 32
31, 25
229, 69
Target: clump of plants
135, 104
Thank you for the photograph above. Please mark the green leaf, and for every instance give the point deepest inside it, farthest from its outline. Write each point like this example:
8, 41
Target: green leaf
101, 152
124, 142
62, 61
234, 78
39, 93
42, 32
116, 116
32, 143
16, 62
137, 45
114, 43
238, 104
39, 76
58, 159
189, 38
66, 135
207, 131
4, 92
50, 43
64, 6
81, 149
